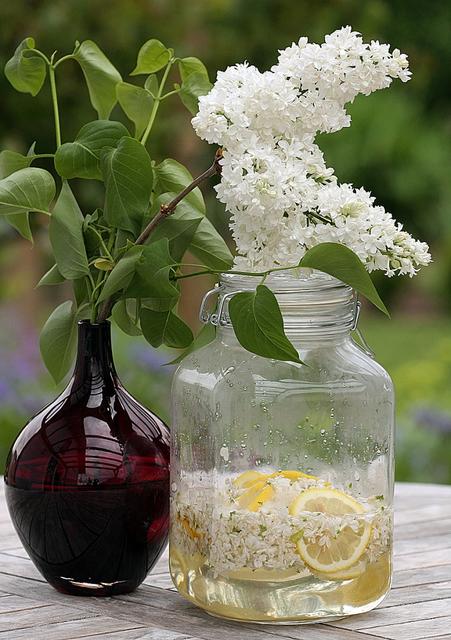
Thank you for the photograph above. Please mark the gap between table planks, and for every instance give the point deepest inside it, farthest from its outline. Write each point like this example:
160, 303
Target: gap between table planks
418, 606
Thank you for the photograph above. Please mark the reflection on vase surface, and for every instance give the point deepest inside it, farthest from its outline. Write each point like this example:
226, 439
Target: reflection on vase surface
87, 480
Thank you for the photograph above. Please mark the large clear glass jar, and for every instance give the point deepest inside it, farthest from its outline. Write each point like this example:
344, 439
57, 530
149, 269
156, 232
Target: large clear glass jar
282, 473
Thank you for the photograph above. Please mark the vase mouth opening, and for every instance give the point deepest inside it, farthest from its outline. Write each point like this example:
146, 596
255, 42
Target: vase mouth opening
88, 323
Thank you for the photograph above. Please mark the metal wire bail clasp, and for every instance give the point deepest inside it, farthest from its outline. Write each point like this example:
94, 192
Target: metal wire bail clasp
364, 344
204, 315
215, 318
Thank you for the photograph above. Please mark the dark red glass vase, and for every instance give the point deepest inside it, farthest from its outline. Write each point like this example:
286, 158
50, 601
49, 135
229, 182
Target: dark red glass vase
87, 480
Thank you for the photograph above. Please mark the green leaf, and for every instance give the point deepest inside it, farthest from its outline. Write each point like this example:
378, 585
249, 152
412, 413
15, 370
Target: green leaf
342, 263
81, 158
57, 340
103, 264
26, 70
165, 328
152, 84
21, 223
258, 325
188, 66
210, 248
66, 236
136, 103
179, 228
122, 274
51, 277
206, 335
11, 161
124, 319
26, 190
101, 77
152, 57
152, 278
195, 85
127, 172
81, 294
170, 175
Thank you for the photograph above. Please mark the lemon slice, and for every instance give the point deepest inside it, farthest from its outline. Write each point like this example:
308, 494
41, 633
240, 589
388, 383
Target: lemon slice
248, 478
353, 572
256, 496
347, 546
291, 474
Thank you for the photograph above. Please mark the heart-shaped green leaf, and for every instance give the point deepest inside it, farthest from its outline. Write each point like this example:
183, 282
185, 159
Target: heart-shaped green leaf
152, 279
122, 274
57, 340
124, 318
342, 263
51, 277
258, 325
66, 236
81, 158
127, 173
152, 57
21, 223
26, 70
11, 161
100, 75
195, 85
164, 327
210, 248
26, 190
188, 66
170, 175
136, 103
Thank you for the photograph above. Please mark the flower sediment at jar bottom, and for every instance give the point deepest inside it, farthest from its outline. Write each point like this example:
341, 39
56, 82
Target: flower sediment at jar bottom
277, 526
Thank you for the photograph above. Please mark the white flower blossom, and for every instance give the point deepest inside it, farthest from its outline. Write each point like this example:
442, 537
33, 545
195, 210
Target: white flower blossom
282, 197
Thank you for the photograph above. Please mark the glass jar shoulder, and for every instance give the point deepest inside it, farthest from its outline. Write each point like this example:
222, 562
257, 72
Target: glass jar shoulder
218, 363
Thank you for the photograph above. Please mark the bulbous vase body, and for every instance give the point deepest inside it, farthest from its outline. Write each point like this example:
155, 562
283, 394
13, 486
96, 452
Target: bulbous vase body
87, 480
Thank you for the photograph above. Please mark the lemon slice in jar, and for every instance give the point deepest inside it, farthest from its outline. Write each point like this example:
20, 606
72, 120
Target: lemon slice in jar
347, 546
256, 496
248, 478
291, 474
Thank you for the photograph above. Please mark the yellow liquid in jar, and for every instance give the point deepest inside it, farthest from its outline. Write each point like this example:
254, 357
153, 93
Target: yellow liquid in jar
278, 596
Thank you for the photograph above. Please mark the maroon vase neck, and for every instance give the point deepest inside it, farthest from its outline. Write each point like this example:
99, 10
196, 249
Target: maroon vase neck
94, 360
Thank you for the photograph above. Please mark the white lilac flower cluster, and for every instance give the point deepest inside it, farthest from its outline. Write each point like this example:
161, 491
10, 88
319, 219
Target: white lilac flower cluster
209, 526
275, 183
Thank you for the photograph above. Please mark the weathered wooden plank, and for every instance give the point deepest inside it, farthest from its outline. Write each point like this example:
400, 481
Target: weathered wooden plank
69, 630
403, 613
162, 580
10, 603
419, 593
422, 576
426, 513
141, 634
421, 544
417, 630
41, 616
16, 566
416, 560
420, 490
434, 527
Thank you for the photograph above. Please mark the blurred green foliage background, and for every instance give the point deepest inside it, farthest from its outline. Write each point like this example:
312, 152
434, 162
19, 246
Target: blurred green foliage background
398, 147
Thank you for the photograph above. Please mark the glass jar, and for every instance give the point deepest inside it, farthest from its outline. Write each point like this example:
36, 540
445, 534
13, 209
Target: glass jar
282, 473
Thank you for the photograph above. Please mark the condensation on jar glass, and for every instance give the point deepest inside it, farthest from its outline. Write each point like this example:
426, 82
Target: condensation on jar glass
282, 473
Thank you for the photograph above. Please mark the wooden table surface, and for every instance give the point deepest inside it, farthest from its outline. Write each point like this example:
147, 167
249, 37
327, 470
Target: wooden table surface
418, 606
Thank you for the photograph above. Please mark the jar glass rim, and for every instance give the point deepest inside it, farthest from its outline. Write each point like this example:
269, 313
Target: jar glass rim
289, 281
